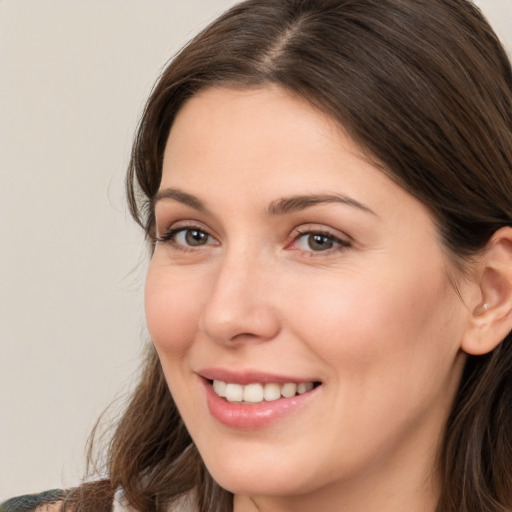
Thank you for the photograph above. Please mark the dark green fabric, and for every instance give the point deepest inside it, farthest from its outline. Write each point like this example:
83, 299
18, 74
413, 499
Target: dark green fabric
29, 502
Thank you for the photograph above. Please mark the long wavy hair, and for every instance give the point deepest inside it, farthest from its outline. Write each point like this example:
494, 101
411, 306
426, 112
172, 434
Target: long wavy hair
425, 88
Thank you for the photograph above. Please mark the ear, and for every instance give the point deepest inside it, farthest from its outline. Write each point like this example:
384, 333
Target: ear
491, 316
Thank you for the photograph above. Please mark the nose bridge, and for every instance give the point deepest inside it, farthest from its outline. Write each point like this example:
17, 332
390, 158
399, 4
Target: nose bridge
240, 305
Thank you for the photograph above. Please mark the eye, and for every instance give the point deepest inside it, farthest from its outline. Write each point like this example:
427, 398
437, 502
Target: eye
187, 237
316, 241
191, 237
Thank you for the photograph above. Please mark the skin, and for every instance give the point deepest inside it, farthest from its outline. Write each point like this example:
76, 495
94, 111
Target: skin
374, 317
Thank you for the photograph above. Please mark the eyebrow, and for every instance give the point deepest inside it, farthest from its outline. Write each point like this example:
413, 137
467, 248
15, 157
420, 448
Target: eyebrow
278, 207
181, 197
301, 202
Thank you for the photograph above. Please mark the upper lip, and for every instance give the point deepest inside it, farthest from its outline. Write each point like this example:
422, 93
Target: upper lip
249, 376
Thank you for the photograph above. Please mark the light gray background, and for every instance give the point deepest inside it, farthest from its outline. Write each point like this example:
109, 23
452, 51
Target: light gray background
73, 78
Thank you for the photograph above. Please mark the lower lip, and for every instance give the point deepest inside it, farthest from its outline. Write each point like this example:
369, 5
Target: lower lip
253, 416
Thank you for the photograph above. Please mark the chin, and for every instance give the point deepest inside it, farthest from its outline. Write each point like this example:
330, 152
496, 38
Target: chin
249, 484
253, 476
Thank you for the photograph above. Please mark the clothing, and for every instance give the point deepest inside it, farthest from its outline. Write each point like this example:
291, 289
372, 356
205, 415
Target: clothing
184, 504
30, 502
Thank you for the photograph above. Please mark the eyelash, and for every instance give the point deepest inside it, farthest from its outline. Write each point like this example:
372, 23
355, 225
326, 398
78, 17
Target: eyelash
169, 237
340, 244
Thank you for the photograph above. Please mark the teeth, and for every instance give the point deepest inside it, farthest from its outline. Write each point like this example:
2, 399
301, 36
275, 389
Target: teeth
272, 392
256, 393
304, 387
219, 387
234, 392
253, 393
289, 389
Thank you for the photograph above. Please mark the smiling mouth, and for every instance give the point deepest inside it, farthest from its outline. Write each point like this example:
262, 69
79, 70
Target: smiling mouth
257, 393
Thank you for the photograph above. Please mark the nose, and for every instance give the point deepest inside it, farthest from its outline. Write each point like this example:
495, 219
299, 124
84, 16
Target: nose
240, 307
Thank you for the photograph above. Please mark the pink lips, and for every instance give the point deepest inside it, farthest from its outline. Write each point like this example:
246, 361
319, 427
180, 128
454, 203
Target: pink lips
250, 416
247, 377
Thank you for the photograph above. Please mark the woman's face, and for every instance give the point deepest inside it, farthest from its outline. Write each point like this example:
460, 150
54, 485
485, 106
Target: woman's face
286, 261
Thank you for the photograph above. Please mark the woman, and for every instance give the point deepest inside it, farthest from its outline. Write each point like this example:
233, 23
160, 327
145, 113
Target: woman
327, 189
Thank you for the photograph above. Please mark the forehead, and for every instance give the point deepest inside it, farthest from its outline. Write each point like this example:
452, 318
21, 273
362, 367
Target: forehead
255, 130
269, 143
227, 115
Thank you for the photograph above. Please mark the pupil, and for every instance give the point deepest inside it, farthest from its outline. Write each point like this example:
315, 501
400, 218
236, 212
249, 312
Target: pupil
195, 237
319, 242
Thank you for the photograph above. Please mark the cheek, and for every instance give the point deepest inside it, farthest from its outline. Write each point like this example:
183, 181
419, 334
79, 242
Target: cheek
172, 310
389, 352
370, 320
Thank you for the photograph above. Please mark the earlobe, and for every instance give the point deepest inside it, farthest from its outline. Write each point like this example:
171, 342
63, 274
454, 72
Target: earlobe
491, 319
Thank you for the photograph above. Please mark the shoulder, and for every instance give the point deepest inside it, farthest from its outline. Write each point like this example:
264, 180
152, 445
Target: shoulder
47, 501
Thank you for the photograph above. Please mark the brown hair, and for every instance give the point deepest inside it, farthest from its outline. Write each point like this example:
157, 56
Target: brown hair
425, 88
